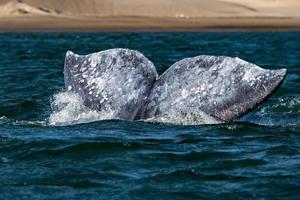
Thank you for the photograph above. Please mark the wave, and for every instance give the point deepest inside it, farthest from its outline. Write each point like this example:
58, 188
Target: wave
288, 104
6, 120
284, 111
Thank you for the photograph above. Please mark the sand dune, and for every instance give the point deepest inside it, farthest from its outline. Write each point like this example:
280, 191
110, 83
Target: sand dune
183, 10
153, 8
14, 8
108, 8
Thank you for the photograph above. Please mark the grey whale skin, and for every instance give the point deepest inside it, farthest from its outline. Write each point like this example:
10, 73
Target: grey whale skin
115, 81
199, 90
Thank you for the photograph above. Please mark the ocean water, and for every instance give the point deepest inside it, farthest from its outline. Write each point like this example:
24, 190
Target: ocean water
257, 157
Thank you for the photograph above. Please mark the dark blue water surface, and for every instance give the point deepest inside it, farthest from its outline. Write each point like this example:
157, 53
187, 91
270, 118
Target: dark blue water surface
256, 158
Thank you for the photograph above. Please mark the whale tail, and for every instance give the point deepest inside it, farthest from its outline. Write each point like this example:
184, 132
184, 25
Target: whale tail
198, 90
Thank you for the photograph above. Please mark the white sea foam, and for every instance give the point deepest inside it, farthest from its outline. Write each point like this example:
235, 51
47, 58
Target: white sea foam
68, 108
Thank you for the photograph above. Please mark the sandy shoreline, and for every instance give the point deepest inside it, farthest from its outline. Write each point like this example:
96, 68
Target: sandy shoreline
144, 23
122, 15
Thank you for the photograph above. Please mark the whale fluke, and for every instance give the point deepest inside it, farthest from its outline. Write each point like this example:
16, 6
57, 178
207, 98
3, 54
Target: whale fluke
209, 89
124, 84
115, 81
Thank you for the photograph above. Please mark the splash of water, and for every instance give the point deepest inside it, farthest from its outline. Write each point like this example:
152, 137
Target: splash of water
68, 108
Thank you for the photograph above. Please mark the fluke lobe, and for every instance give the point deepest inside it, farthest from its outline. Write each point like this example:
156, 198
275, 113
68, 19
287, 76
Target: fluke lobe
115, 81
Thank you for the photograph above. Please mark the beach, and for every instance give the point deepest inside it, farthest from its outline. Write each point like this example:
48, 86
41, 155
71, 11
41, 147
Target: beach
142, 15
